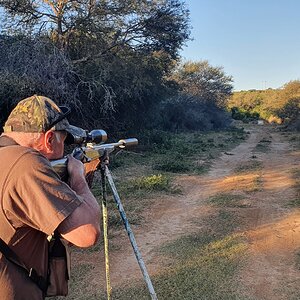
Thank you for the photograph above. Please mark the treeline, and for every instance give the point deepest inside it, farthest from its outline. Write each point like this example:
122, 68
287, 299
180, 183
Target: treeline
115, 63
273, 105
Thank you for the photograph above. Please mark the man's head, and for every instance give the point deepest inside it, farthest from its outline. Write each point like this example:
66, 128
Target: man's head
37, 122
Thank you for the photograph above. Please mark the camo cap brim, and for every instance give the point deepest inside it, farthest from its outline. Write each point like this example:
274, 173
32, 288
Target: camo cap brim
38, 114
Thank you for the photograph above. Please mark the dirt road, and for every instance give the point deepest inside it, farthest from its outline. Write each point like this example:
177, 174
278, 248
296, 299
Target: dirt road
261, 170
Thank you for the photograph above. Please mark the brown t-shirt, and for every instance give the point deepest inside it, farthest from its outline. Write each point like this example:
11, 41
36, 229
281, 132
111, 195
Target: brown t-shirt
33, 202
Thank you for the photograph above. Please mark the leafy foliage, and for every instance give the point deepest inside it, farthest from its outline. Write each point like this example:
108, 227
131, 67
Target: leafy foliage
117, 52
291, 109
112, 62
157, 182
140, 25
272, 105
180, 113
203, 82
30, 66
203, 92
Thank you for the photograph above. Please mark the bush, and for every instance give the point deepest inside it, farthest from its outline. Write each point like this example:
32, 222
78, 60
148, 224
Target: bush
152, 183
291, 110
171, 165
244, 115
28, 67
185, 113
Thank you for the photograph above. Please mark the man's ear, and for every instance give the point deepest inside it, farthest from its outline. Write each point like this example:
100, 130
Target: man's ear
48, 141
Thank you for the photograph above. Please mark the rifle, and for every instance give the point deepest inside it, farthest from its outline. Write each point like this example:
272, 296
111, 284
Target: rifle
91, 146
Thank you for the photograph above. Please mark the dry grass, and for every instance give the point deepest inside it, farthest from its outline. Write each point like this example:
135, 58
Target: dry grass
206, 261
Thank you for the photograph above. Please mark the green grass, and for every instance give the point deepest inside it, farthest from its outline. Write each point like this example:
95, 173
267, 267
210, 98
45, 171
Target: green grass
256, 184
295, 140
172, 163
179, 152
201, 169
146, 171
136, 194
151, 183
263, 145
203, 265
226, 200
296, 201
249, 166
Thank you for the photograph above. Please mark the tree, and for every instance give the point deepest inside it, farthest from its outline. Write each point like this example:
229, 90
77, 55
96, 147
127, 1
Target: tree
29, 67
200, 101
290, 90
119, 51
137, 24
204, 82
291, 110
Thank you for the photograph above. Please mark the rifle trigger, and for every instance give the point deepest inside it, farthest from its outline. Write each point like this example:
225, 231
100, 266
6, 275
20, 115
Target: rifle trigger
85, 158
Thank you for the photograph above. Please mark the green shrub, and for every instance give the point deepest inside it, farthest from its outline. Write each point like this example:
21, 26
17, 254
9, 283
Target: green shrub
171, 165
152, 183
192, 113
244, 115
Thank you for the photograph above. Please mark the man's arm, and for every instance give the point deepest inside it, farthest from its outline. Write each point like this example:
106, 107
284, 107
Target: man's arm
81, 228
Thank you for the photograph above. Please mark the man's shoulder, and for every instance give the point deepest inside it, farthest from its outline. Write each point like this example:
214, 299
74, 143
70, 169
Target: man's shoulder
17, 151
23, 158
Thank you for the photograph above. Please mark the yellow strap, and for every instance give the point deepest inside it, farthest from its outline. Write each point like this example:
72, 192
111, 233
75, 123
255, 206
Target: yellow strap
105, 222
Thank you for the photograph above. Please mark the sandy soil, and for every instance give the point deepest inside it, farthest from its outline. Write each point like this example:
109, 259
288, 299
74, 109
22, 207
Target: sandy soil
271, 227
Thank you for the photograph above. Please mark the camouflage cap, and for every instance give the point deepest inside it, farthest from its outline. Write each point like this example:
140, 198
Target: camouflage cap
38, 114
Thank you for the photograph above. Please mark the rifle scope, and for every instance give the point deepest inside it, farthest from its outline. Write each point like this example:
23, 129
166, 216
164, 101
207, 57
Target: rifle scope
82, 136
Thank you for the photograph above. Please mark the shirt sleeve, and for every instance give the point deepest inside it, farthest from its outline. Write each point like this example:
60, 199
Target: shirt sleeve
35, 195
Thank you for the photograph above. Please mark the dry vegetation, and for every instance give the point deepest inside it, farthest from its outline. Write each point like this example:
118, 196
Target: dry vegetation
224, 215
272, 105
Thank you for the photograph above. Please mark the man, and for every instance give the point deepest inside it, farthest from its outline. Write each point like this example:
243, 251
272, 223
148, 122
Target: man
34, 201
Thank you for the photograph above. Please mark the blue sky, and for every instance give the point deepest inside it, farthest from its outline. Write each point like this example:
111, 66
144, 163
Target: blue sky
255, 41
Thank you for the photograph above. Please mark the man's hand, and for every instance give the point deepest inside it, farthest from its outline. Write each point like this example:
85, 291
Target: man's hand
77, 170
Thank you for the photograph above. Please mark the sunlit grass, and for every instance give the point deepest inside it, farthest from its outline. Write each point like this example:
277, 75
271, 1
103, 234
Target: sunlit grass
249, 166
205, 271
146, 171
181, 152
226, 200
244, 182
203, 264
151, 183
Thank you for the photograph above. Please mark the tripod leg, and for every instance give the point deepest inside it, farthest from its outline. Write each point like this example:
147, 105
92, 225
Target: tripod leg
130, 235
105, 226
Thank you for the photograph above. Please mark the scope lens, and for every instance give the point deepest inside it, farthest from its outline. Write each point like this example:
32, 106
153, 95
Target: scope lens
97, 136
